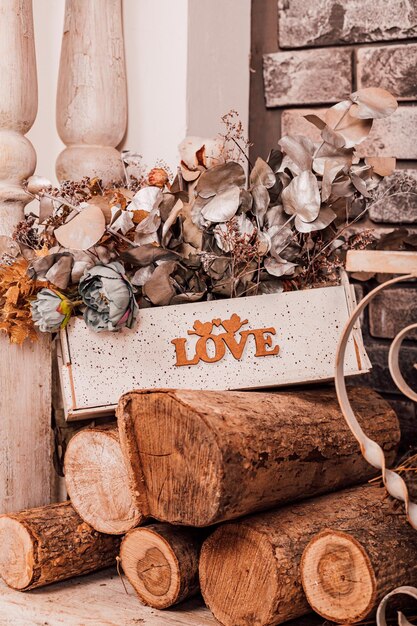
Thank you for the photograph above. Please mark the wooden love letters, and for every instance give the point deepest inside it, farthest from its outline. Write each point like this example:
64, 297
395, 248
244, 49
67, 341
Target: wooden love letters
223, 341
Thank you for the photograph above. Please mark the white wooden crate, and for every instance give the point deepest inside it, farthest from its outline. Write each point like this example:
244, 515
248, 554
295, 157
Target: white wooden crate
282, 339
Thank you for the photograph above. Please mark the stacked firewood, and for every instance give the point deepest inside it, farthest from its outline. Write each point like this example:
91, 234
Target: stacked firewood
261, 500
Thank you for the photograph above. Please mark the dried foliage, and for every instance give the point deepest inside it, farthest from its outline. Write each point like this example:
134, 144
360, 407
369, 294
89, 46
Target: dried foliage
213, 231
16, 291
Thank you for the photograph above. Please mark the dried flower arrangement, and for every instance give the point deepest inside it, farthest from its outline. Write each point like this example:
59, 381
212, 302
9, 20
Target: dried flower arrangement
211, 233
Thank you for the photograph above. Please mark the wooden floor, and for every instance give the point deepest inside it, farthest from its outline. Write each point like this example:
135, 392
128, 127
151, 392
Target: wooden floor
95, 600
100, 600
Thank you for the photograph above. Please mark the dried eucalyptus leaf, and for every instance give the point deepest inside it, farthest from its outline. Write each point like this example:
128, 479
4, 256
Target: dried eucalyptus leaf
260, 203
332, 167
262, 174
299, 149
159, 289
123, 223
272, 285
275, 216
333, 137
172, 218
280, 238
223, 206
147, 254
103, 203
220, 178
372, 103
316, 120
359, 184
191, 233
246, 201
326, 217
37, 184
146, 199
342, 187
384, 166
84, 230
142, 275
279, 267
46, 208
352, 129
150, 224
190, 175
274, 160
183, 298
302, 197
60, 272
141, 239
264, 242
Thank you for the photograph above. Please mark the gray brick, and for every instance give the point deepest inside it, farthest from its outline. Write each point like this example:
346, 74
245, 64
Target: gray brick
406, 413
379, 377
325, 22
398, 204
391, 67
392, 136
307, 76
393, 310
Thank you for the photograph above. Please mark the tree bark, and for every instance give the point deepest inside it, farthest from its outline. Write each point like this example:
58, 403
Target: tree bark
97, 481
161, 563
201, 457
250, 570
51, 543
347, 571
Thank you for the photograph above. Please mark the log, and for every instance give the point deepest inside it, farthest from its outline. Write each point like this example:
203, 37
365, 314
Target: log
199, 457
161, 563
51, 543
346, 571
97, 481
250, 569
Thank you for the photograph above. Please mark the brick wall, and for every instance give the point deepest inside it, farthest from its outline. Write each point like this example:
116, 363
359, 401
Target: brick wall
307, 55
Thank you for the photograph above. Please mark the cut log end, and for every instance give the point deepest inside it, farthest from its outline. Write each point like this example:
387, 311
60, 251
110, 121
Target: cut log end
97, 481
161, 563
16, 554
338, 578
238, 576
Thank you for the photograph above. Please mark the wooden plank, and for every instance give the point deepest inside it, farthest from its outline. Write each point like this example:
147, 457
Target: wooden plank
25, 410
95, 600
382, 261
25, 373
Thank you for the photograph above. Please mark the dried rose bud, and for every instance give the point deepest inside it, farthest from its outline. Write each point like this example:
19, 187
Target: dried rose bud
158, 177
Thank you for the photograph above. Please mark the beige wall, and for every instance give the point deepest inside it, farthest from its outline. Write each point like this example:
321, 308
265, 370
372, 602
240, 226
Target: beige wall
187, 64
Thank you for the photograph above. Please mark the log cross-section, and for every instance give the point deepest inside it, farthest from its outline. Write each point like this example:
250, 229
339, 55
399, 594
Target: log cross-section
91, 97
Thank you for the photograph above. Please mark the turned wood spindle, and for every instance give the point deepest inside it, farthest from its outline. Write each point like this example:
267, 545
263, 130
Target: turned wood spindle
25, 372
91, 98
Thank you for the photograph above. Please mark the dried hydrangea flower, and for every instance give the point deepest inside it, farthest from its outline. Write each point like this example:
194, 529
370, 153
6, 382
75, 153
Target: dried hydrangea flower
51, 310
109, 298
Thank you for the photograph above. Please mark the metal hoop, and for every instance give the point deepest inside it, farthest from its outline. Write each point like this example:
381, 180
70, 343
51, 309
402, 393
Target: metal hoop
370, 449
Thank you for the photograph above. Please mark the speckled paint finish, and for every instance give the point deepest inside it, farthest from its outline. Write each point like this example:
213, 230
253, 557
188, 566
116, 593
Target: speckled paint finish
97, 368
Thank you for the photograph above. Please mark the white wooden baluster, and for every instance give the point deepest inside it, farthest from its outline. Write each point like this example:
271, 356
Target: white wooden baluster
91, 99
25, 372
